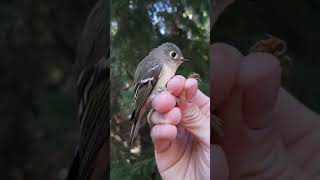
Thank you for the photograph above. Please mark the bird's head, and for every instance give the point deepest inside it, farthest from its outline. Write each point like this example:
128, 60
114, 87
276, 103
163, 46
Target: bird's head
171, 53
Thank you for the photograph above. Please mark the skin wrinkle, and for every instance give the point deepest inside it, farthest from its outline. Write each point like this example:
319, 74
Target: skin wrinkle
269, 159
191, 149
191, 158
284, 171
303, 138
284, 115
284, 164
165, 149
306, 163
200, 96
206, 160
179, 157
190, 117
200, 154
193, 119
175, 120
310, 156
307, 132
193, 98
203, 104
164, 118
206, 151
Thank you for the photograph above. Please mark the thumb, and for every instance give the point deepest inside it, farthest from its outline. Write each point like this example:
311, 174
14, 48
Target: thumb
259, 152
195, 108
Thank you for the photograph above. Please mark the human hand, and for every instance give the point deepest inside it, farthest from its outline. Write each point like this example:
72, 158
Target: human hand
268, 134
181, 130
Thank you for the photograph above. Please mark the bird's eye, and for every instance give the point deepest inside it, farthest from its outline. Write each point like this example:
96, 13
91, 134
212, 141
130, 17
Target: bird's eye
173, 54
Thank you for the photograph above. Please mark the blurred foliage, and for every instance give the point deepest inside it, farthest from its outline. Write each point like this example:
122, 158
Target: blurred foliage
137, 27
38, 131
296, 22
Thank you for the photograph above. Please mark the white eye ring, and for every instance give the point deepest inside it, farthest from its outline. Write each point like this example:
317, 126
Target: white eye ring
173, 54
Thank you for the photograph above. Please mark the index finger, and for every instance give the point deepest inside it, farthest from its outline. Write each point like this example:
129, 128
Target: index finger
224, 66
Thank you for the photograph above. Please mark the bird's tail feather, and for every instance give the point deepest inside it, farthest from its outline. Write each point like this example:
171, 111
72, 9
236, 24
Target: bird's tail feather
134, 127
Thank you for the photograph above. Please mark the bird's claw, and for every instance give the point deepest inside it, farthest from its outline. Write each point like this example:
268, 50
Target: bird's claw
195, 76
273, 45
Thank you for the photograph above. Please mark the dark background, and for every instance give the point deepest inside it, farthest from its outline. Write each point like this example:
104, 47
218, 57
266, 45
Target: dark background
38, 130
38, 39
296, 22
137, 27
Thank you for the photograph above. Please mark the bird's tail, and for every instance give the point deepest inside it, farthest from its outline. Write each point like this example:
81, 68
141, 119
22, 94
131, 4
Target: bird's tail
134, 127
74, 168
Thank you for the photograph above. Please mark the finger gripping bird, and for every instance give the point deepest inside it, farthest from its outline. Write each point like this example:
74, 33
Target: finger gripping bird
151, 77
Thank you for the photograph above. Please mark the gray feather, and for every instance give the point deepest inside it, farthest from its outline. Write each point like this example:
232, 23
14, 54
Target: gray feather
144, 84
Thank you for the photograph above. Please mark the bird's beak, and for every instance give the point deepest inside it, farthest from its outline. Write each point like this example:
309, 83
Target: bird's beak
184, 60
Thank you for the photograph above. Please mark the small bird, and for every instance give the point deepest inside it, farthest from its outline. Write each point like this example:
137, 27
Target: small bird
151, 77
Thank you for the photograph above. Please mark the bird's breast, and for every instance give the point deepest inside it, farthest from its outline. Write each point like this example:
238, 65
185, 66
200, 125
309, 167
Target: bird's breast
166, 74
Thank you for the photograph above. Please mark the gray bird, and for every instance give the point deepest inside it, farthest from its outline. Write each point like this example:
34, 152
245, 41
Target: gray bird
151, 77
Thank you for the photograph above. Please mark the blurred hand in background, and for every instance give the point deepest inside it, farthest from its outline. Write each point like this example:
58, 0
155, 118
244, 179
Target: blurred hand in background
268, 133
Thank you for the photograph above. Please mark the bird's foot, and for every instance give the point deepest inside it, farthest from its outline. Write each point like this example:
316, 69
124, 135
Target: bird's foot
274, 46
195, 76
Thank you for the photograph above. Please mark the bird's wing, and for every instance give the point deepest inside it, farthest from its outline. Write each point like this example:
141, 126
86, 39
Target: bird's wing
143, 88
93, 86
92, 72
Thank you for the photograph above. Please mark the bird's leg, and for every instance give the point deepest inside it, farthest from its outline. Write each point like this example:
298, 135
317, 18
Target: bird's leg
274, 46
195, 76
160, 90
157, 92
